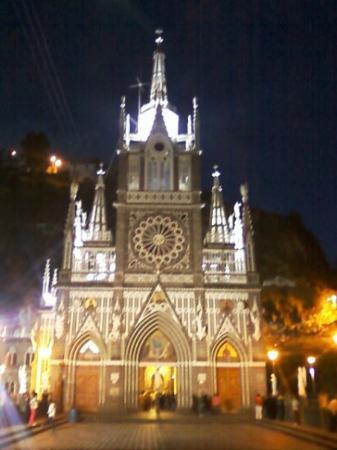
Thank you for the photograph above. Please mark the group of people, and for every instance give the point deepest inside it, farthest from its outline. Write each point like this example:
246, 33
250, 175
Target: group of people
157, 400
274, 407
25, 408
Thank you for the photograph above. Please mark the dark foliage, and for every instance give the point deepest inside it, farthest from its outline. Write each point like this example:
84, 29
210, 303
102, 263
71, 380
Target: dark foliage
35, 147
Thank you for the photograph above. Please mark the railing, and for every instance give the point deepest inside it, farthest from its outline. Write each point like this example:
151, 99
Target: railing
224, 266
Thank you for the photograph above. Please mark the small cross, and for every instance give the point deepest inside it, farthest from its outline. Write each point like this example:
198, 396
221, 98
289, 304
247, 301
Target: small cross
100, 171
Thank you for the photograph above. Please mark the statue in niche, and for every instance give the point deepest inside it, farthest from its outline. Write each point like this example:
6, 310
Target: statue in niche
255, 319
157, 380
116, 322
59, 321
200, 327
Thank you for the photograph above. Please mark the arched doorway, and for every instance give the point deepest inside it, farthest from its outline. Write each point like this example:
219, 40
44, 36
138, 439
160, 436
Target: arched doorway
133, 360
157, 372
228, 377
87, 376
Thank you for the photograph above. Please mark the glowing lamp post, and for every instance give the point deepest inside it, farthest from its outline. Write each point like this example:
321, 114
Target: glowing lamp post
333, 300
334, 338
311, 360
272, 356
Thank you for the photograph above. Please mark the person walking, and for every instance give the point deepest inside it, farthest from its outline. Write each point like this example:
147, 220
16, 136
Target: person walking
51, 413
258, 406
295, 407
33, 404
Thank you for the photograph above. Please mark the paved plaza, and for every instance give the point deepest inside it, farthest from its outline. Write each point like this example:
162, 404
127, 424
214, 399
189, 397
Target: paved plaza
201, 435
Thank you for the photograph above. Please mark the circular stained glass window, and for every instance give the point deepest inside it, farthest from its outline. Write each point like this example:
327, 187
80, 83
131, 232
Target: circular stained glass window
159, 240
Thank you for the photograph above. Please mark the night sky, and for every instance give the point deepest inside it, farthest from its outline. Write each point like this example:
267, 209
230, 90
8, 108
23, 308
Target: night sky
265, 74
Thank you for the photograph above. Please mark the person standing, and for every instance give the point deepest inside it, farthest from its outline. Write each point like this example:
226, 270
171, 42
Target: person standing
33, 404
51, 413
258, 406
295, 407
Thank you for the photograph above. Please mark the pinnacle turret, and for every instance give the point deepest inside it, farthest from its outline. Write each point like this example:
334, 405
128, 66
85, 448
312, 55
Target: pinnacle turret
97, 229
158, 93
218, 229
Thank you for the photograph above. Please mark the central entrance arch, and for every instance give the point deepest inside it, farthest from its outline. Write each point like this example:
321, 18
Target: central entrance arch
157, 371
158, 357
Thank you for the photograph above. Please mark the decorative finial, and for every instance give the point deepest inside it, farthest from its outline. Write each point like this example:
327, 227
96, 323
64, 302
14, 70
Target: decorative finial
215, 173
123, 102
195, 103
73, 190
159, 40
244, 192
100, 170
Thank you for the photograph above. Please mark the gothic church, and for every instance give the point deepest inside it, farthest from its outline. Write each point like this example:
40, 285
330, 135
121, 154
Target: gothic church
157, 304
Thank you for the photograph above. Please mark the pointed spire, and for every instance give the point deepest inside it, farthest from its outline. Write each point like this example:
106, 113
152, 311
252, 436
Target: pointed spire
97, 230
248, 229
159, 123
46, 278
189, 135
247, 219
121, 122
218, 230
196, 124
54, 280
71, 210
158, 93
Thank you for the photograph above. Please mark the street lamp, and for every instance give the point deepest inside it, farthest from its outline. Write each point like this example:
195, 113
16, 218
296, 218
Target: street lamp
334, 338
333, 300
311, 360
272, 356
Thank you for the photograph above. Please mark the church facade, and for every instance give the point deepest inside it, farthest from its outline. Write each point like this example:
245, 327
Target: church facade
158, 304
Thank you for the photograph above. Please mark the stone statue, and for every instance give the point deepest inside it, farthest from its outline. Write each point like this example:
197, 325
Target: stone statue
157, 380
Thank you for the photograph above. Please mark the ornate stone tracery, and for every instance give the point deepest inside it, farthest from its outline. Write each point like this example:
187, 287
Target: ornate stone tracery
159, 240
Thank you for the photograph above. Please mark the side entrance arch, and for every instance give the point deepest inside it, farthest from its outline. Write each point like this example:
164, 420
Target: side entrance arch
87, 377
228, 377
85, 374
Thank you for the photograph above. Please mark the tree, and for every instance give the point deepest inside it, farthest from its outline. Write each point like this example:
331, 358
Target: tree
35, 147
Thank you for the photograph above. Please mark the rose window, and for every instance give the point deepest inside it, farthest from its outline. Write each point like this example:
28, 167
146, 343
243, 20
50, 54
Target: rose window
159, 240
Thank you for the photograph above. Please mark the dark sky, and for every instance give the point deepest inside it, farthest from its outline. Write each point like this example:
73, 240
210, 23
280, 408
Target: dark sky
265, 73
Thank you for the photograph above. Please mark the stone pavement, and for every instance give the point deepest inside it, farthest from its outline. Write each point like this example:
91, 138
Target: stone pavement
196, 434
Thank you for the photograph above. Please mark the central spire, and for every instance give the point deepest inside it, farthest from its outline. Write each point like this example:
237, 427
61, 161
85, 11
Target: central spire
158, 92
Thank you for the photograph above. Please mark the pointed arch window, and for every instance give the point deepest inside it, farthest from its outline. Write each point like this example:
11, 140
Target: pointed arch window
133, 173
184, 174
159, 166
29, 356
11, 357
227, 353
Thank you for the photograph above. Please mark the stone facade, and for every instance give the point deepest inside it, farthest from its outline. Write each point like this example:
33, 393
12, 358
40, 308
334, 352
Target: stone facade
16, 352
156, 304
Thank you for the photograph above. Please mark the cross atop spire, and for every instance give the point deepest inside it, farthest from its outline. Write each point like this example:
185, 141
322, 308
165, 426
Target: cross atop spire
159, 40
158, 92
218, 231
